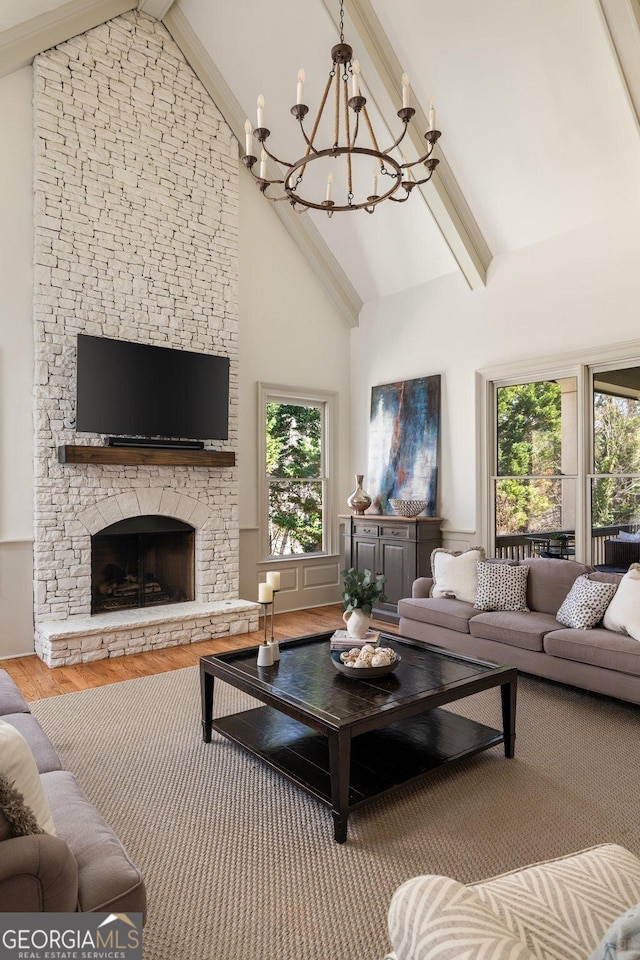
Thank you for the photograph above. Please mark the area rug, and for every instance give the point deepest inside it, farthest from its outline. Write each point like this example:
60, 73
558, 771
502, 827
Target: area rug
241, 865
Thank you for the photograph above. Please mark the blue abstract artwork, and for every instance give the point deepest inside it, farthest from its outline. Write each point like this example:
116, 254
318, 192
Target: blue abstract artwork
403, 443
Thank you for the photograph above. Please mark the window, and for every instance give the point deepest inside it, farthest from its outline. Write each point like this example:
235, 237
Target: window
615, 476
561, 452
536, 454
296, 427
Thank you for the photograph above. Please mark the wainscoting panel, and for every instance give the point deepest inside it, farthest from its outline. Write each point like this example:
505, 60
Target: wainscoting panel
304, 581
16, 598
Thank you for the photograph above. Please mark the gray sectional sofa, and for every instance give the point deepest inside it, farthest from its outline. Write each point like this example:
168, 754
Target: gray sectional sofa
84, 867
534, 642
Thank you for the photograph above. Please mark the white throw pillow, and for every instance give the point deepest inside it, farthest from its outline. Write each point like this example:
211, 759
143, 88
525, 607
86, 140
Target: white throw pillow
17, 765
623, 613
628, 537
456, 577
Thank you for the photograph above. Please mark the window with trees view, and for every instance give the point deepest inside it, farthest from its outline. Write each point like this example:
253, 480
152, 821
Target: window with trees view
544, 493
295, 475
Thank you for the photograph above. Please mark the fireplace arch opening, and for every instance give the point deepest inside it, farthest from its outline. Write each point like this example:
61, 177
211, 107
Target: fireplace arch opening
142, 561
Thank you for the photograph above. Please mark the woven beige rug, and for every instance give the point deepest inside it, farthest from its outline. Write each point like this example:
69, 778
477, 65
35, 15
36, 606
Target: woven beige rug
241, 865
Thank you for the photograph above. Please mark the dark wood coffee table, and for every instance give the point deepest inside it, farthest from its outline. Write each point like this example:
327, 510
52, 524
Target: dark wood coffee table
346, 741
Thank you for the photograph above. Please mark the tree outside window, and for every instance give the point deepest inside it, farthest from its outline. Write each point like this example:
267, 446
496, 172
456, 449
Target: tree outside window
295, 477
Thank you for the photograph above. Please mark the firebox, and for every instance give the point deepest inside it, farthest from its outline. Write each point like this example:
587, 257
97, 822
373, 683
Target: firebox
140, 562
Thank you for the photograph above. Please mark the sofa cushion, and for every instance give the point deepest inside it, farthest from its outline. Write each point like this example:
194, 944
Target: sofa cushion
11, 700
519, 629
623, 613
107, 880
455, 574
43, 752
563, 907
599, 647
586, 602
19, 767
437, 917
501, 587
550, 581
454, 614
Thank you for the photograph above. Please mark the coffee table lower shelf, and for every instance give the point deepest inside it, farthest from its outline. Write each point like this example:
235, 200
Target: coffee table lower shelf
380, 761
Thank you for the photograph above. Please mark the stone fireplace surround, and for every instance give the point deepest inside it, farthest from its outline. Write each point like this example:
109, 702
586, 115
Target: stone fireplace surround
135, 238
83, 637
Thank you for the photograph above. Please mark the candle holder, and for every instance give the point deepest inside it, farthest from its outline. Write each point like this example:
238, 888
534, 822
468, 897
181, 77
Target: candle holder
265, 654
273, 603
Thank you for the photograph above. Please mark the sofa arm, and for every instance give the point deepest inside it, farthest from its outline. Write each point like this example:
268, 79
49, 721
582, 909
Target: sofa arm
38, 874
421, 588
439, 917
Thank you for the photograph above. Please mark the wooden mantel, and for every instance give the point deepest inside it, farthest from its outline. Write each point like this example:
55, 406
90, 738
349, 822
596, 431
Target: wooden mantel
136, 456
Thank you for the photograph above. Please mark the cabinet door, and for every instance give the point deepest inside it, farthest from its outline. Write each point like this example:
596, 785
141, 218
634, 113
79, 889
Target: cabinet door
398, 562
365, 554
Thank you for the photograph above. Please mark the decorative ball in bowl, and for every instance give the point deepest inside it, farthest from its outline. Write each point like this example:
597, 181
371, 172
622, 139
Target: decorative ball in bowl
357, 664
408, 508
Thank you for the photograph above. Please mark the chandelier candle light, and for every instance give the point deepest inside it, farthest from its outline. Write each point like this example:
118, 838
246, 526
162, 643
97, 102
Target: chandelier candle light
348, 113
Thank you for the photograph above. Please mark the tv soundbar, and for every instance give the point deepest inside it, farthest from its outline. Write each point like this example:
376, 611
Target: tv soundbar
149, 442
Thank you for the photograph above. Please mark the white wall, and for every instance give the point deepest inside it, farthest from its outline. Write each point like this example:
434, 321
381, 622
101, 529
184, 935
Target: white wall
16, 365
578, 290
290, 334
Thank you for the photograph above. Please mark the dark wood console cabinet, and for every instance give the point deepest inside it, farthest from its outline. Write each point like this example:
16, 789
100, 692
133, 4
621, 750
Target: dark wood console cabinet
398, 547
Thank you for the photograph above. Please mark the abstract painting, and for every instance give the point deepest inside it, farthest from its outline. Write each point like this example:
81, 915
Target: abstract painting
403, 443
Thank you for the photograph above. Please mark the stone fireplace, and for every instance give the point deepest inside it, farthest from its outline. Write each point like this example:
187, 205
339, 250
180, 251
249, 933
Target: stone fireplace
135, 238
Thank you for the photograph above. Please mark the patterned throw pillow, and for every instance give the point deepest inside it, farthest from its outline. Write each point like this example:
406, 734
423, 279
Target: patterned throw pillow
501, 587
622, 939
586, 602
454, 574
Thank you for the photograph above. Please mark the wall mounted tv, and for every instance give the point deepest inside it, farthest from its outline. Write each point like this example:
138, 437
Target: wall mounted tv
140, 390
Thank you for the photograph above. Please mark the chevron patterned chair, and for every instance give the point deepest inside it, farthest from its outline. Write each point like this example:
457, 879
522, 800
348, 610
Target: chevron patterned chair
557, 910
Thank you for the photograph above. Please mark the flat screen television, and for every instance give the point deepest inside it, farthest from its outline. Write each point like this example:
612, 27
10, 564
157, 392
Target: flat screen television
136, 389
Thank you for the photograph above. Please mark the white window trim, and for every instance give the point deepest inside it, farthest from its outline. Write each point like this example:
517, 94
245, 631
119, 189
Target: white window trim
329, 399
580, 364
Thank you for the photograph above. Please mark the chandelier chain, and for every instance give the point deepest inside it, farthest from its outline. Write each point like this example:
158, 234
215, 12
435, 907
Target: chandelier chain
341, 21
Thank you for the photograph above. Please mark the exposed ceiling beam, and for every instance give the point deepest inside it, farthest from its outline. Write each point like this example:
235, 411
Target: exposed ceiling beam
442, 194
20, 44
154, 8
621, 20
300, 227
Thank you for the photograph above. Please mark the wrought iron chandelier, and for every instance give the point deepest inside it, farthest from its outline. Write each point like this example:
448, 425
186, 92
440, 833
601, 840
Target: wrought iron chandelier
349, 111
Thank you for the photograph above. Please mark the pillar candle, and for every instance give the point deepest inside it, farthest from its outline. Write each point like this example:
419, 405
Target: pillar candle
273, 579
355, 79
300, 87
265, 593
260, 111
248, 141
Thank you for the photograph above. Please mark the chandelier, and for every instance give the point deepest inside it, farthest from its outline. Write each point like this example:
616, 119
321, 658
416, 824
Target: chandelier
389, 175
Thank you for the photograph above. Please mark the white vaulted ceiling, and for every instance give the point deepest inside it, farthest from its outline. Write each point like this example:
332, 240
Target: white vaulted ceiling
539, 135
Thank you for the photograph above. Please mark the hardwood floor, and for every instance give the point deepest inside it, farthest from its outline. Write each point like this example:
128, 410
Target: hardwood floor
37, 681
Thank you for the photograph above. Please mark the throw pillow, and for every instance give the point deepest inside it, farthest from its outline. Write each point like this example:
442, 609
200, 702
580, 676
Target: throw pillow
585, 604
501, 587
454, 574
622, 939
16, 816
19, 768
623, 613
628, 537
